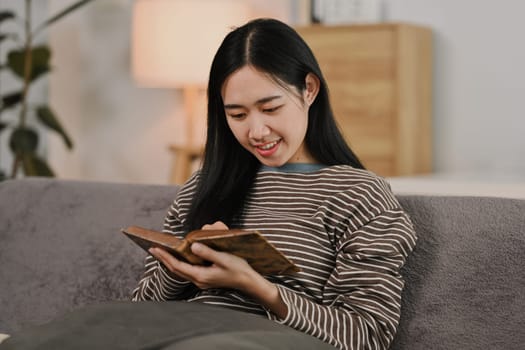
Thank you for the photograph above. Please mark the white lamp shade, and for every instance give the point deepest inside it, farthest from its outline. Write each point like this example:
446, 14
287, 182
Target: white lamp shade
174, 40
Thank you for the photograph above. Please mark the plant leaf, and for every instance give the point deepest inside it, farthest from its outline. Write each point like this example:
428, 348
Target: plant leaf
23, 140
48, 118
5, 36
35, 166
5, 15
61, 14
11, 100
39, 62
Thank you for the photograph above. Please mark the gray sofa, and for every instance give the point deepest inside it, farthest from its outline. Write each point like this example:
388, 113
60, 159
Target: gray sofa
61, 249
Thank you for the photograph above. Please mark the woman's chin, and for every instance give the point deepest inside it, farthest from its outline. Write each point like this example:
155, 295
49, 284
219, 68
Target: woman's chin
272, 163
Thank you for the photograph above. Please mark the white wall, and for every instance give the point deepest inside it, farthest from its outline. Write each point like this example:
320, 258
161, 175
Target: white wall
479, 82
122, 131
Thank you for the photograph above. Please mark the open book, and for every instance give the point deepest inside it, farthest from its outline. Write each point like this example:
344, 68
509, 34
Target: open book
249, 245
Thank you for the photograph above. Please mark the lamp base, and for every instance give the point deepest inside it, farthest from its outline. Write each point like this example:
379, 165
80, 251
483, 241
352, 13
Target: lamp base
184, 158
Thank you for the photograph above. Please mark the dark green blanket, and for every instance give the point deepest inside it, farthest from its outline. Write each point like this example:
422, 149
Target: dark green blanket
161, 325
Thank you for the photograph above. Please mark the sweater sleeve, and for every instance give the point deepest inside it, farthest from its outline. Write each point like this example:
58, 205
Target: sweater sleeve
156, 283
362, 297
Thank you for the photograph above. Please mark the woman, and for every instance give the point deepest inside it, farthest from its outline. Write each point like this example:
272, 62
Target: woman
276, 162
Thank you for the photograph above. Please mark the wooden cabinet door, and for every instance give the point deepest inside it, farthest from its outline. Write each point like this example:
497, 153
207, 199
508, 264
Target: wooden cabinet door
365, 68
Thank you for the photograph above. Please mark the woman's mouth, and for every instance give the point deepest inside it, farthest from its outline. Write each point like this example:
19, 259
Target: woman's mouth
268, 149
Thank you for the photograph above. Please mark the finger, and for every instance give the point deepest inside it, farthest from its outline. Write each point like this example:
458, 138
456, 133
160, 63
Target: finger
217, 225
193, 273
205, 252
221, 259
173, 264
160, 254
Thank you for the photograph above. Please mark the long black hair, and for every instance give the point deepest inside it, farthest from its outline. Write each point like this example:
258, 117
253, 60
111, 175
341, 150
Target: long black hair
228, 170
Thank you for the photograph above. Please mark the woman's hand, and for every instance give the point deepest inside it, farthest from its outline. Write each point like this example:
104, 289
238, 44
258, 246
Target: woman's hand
226, 271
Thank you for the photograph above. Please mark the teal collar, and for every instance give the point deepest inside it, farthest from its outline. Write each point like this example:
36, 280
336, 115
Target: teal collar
294, 168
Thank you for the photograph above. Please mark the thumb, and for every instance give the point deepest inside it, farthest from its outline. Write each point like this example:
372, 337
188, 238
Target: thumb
204, 251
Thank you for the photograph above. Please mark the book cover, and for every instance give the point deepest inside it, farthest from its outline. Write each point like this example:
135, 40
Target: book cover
252, 246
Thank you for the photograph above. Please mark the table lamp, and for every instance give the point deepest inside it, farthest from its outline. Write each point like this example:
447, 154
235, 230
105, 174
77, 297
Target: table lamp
173, 43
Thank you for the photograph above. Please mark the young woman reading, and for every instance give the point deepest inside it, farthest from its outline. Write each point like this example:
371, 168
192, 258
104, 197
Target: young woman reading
276, 162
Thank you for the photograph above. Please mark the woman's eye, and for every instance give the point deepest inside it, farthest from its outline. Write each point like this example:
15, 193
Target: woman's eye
238, 115
271, 110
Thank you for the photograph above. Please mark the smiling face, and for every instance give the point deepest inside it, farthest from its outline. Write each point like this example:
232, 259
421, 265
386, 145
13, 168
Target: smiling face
267, 119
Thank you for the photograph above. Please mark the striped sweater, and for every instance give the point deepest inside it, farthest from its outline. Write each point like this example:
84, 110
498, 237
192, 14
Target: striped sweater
346, 231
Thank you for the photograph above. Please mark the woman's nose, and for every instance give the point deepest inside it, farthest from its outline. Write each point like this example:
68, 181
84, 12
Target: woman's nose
258, 129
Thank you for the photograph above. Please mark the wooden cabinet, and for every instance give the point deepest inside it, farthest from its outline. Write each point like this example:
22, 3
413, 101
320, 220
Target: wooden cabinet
380, 79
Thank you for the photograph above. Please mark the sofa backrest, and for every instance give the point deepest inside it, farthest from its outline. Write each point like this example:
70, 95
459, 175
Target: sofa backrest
61, 246
465, 280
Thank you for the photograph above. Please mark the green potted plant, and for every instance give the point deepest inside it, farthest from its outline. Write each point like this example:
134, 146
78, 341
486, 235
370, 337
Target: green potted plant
28, 62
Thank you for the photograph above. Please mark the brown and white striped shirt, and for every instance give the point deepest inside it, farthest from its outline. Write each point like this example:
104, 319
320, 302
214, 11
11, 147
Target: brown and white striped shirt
342, 226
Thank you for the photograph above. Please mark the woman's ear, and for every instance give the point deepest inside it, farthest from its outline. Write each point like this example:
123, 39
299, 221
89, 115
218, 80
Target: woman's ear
312, 88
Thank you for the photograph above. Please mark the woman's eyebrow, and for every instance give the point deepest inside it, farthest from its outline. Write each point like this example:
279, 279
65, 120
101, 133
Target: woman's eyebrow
258, 102
267, 99
233, 106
